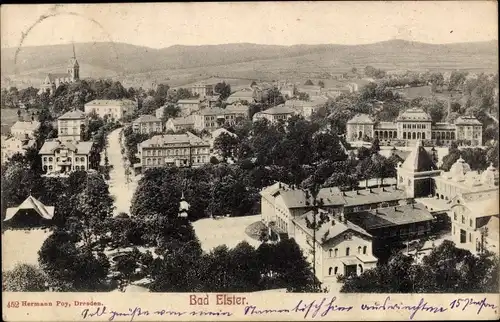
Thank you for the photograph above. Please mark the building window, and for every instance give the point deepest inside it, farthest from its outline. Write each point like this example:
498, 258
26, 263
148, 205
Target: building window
364, 249
77, 168
360, 268
470, 237
463, 219
50, 168
51, 159
335, 271
330, 271
336, 252
347, 251
359, 249
330, 253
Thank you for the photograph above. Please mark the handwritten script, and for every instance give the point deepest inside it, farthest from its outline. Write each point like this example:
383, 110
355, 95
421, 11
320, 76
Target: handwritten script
325, 307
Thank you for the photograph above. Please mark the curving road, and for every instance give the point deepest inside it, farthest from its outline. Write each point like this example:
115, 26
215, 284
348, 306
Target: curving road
120, 188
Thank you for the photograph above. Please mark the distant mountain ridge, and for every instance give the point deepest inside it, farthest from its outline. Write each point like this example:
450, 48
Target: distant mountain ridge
122, 59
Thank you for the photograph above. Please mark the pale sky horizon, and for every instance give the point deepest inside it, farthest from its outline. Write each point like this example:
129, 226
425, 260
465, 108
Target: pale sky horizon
159, 25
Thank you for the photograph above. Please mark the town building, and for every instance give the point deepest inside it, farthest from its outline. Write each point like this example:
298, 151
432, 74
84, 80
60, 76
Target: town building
245, 95
286, 89
147, 124
180, 123
276, 113
416, 174
30, 213
188, 106
311, 90
24, 129
63, 157
159, 112
342, 248
53, 80
202, 89
461, 180
181, 150
475, 222
415, 124
71, 126
213, 118
12, 145
112, 109
306, 108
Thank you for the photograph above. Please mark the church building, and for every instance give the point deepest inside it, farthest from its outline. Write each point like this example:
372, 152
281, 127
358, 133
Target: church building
53, 80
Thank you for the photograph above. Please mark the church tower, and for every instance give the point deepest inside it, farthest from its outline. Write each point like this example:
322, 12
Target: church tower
73, 67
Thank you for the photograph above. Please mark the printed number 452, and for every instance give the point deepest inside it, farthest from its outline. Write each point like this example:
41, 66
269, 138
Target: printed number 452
14, 304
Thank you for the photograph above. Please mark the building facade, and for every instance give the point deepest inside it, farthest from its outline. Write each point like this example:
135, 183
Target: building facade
71, 125
189, 106
276, 114
475, 221
112, 109
214, 118
147, 124
202, 89
11, 146
181, 150
64, 157
180, 123
415, 124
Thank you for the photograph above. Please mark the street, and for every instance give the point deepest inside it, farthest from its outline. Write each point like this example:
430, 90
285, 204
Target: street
120, 188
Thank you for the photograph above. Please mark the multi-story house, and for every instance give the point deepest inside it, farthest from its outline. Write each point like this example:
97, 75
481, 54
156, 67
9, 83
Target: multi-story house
181, 150
147, 124
24, 129
180, 123
188, 106
276, 114
306, 108
475, 222
70, 126
202, 89
342, 248
13, 145
213, 118
64, 157
245, 95
415, 124
113, 109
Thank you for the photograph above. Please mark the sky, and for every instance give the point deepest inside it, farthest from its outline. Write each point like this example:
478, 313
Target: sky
160, 25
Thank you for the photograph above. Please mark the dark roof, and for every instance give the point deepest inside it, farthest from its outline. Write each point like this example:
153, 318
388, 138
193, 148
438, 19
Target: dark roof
419, 160
374, 195
391, 216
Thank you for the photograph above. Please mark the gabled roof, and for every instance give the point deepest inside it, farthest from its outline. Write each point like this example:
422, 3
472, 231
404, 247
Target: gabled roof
330, 229
82, 147
54, 76
279, 109
26, 126
391, 216
123, 101
467, 120
33, 204
72, 115
146, 118
187, 120
186, 138
419, 160
414, 114
361, 119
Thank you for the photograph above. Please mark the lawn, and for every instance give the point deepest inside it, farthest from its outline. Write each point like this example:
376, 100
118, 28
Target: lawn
22, 246
229, 231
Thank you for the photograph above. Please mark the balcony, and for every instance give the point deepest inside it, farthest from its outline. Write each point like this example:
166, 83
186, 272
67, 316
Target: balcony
63, 161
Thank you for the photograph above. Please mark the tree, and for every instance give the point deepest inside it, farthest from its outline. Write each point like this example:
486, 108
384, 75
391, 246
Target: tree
321, 84
375, 148
226, 144
303, 96
170, 111
475, 157
447, 269
223, 89
70, 268
24, 278
309, 82
457, 80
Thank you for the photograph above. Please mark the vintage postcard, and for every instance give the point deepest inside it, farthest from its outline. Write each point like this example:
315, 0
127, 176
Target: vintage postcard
271, 161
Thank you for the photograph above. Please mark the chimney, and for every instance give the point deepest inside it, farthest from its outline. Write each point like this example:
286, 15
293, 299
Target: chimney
395, 208
371, 190
333, 222
357, 192
343, 193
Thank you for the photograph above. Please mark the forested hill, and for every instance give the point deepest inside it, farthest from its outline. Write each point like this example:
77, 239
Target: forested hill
126, 59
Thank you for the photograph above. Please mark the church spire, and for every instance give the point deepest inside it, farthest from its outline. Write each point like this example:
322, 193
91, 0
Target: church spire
74, 53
